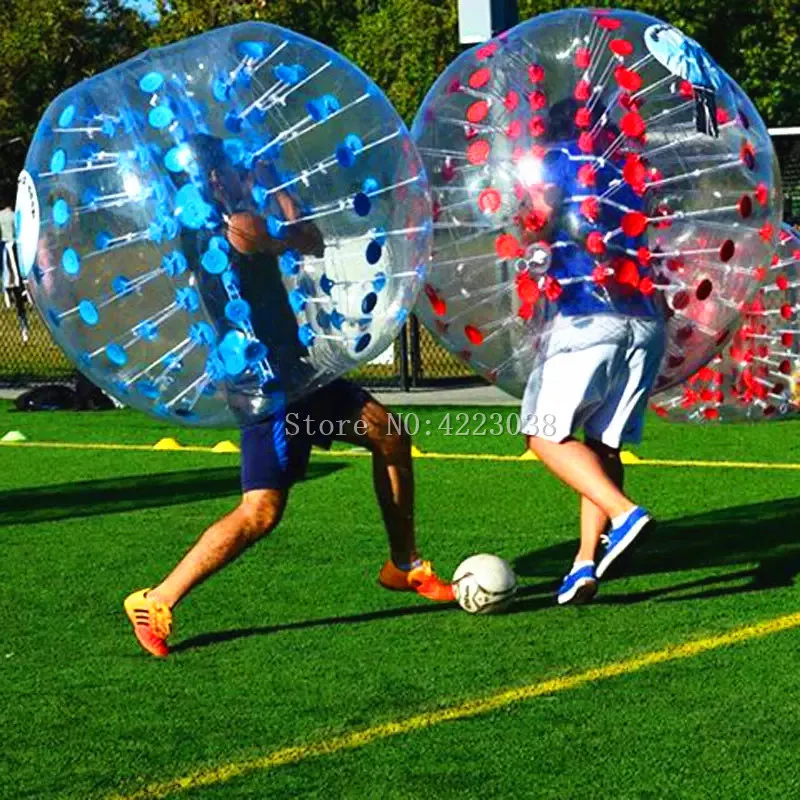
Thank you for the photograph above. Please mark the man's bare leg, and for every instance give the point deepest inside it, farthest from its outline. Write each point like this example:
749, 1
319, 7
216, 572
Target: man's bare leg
258, 513
580, 467
392, 475
393, 478
594, 521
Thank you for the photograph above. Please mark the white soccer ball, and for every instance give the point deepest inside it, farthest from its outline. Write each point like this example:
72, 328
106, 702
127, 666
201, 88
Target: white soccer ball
484, 584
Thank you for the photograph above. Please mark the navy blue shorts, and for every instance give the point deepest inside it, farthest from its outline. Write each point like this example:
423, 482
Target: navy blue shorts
275, 452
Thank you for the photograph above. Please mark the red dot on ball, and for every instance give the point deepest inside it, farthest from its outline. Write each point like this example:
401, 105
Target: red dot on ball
727, 251
489, 201
473, 334
480, 78
621, 47
745, 206
536, 73
477, 112
634, 223
704, 289
478, 152
680, 300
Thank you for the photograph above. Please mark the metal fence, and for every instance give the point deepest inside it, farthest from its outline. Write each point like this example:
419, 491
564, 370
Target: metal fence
416, 360
787, 145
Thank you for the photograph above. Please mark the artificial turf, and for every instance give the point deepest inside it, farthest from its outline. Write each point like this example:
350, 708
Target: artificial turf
295, 643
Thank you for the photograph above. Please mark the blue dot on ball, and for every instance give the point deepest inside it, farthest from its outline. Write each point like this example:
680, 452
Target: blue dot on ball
188, 299
237, 311
260, 195
214, 261
370, 186
61, 212
120, 284
345, 156
88, 312
160, 117
337, 319
58, 160
178, 158
233, 122
234, 149
379, 281
254, 50
71, 262
54, 317
116, 354
306, 335
362, 204
215, 369
326, 284
374, 252
192, 210
362, 342
290, 261
379, 234
174, 264
102, 240
297, 300
255, 351
221, 89
151, 82
275, 227
146, 331
148, 389
368, 303
231, 351
120, 387
66, 116
202, 333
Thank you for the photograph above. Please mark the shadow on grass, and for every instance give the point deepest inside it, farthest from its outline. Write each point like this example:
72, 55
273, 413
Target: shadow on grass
527, 603
130, 493
764, 534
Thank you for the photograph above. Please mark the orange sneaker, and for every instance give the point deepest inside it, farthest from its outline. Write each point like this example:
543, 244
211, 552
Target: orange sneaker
152, 622
421, 579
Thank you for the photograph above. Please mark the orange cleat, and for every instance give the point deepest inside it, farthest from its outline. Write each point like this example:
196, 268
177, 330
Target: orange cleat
421, 579
152, 622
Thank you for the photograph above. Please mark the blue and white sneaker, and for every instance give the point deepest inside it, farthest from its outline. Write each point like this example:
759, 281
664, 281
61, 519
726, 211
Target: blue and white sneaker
580, 586
623, 536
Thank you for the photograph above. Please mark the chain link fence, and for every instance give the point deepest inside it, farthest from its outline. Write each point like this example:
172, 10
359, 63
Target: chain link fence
787, 145
416, 360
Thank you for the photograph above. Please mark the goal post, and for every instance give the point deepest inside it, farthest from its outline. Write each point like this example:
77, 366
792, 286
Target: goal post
479, 20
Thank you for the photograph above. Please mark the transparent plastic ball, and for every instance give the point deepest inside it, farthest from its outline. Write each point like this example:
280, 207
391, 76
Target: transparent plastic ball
221, 226
590, 163
757, 374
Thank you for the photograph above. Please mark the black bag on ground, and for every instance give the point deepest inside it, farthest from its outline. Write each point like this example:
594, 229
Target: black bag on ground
58, 397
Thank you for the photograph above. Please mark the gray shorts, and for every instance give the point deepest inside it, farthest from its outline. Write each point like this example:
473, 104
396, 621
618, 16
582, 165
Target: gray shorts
597, 373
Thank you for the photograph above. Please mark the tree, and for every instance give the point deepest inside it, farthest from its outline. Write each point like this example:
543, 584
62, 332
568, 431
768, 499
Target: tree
47, 46
403, 46
755, 41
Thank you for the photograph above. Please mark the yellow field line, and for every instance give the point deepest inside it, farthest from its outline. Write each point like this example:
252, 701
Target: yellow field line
471, 708
627, 457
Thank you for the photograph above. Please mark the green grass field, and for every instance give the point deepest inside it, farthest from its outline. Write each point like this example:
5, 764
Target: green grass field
295, 646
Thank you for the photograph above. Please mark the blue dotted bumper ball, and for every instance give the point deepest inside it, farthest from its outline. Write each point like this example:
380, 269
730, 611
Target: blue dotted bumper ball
223, 225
